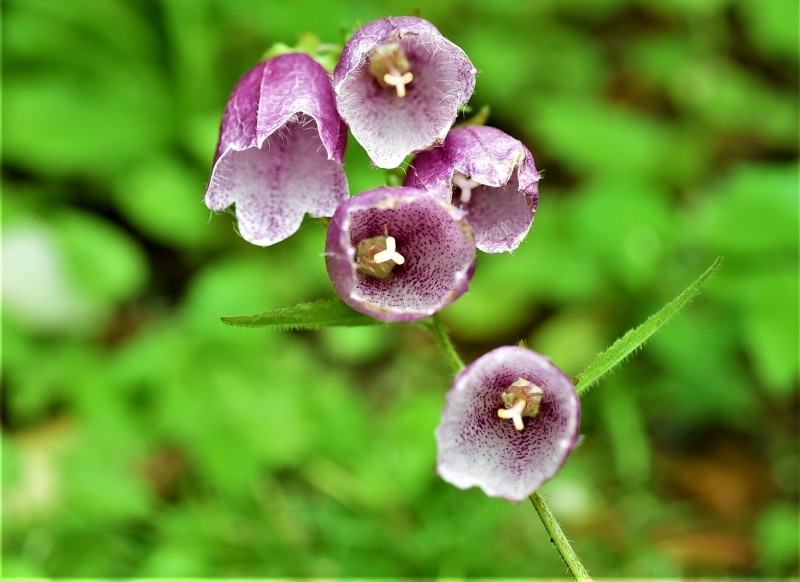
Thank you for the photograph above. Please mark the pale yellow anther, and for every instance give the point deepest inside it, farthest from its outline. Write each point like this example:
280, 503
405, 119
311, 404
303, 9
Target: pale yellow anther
466, 185
390, 254
514, 413
398, 81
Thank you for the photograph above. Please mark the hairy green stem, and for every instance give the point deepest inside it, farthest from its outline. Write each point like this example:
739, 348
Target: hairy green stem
560, 541
558, 538
445, 345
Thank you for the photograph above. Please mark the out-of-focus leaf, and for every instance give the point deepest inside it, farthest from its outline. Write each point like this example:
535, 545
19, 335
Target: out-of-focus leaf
778, 539
633, 339
60, 123
773, 26
11, 462
478, 118
570, 338
624, 423
113, 24
753, 213
356, 345
105, 263
768, 306
39, 292
624, 226
316, 315
164, 199
592, 137
700, 378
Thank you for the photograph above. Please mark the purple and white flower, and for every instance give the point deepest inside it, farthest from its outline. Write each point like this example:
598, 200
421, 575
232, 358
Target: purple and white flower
399, 254
280, 149
509, 422
490, 175
399, 84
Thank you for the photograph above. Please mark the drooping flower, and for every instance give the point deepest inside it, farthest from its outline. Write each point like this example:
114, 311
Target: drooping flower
399, 84
489, 174
399, 254
509, 422
280, 149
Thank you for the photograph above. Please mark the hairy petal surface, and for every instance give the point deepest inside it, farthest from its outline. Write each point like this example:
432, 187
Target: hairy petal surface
478, 448
435, 241
390, 127
502, 206
280, 150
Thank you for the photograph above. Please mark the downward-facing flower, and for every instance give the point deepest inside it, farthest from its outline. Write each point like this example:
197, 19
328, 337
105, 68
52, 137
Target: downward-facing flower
399, 84
489, 174
280, 149
509, 422
399, 254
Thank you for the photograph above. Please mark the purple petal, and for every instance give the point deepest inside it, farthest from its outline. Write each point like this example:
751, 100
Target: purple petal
500, 211
476, 447
432, 236
280, 149
390, 127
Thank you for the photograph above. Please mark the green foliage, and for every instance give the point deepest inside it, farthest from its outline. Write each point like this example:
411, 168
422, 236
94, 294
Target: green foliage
606, 361
316, 315
144, 438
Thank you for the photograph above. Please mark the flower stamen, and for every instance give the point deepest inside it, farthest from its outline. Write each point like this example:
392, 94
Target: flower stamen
522, 398
514, 413
398, 80
390, 254
466, 185
378, 256
389, 65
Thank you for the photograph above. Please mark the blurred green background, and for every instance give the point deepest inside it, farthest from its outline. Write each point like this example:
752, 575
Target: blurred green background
142, 437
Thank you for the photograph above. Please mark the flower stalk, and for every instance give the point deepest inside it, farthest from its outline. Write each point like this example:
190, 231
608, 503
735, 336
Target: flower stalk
560, 541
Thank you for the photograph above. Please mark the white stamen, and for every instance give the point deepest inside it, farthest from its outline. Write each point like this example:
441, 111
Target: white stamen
466, 185
390, 254
514, 413
398, 81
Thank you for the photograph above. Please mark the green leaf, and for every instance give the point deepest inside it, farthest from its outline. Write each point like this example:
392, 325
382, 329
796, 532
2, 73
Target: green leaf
316, 315
631, 341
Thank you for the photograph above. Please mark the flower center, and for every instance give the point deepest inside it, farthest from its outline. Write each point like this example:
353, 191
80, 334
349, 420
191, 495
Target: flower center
389, 65
520, 399
378, 256
465, 185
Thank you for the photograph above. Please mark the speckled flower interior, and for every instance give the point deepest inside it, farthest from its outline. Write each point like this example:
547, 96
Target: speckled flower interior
275, 184
476, 447
435, 241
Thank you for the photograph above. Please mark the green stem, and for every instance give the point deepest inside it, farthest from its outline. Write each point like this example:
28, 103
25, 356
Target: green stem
560, 541
558, 538
445, 345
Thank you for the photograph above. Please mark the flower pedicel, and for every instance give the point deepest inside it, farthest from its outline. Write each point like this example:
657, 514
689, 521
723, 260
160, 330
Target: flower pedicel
399, 84
509, 422
280, 149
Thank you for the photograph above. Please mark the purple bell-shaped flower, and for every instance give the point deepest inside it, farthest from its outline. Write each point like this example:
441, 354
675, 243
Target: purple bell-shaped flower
399, 84
399, 254
509, 422
490, 175
280, 149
